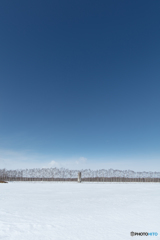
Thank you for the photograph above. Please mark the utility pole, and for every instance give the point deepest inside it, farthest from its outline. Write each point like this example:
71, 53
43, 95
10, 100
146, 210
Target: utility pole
79, 177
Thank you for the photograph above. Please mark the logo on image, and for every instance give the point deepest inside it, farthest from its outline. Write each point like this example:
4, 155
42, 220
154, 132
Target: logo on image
143, 234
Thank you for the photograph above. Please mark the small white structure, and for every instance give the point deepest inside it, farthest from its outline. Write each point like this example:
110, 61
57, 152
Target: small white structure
79, 177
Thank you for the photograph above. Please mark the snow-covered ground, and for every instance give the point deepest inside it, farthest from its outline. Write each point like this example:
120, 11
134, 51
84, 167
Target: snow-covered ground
72, 211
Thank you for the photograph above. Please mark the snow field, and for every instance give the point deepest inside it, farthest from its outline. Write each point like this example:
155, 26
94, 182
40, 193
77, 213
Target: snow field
84, 211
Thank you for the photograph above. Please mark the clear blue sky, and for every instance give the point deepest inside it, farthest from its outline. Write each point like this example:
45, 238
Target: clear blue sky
80, 80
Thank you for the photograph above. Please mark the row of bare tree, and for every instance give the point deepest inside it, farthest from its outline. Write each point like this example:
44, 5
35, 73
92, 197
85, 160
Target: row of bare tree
62, 174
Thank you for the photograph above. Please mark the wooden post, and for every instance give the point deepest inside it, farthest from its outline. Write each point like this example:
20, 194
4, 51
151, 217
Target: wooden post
79, 177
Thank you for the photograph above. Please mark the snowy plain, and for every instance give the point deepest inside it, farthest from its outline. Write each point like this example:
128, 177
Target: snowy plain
78, 211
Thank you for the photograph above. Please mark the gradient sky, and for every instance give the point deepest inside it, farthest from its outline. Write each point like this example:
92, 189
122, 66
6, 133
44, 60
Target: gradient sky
80, 83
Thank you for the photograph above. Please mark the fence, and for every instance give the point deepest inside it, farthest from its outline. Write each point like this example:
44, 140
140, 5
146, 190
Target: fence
95, 179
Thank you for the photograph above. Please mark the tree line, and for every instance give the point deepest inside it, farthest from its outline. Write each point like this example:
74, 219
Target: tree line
66, 174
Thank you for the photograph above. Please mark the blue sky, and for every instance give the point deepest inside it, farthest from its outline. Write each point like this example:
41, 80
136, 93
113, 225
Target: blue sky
79, 84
